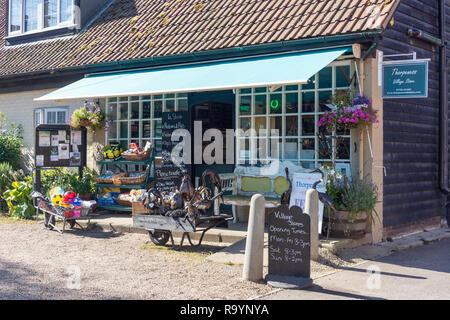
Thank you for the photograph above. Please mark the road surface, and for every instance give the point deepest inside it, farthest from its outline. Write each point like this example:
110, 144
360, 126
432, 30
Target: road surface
421, 273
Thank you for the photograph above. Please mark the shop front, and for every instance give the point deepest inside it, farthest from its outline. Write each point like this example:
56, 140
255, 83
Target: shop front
273, 99
288, 93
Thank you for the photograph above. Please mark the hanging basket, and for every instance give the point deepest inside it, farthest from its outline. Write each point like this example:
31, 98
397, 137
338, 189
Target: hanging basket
84, 123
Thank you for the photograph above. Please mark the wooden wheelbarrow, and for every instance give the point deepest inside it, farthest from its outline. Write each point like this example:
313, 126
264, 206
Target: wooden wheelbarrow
160, 227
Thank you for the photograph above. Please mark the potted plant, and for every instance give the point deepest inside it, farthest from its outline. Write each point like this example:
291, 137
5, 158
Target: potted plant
90, 116
84, 186
355, 203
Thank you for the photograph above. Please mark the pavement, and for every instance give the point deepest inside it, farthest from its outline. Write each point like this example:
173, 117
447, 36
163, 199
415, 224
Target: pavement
236, 233
420, 273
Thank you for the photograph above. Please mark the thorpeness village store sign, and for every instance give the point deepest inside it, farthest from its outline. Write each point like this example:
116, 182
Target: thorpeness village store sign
405, 78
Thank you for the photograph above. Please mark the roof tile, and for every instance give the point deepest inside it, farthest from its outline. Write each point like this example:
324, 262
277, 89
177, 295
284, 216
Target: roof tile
169, 27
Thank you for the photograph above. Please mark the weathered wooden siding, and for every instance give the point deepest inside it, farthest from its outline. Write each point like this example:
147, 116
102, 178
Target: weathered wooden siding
411, 126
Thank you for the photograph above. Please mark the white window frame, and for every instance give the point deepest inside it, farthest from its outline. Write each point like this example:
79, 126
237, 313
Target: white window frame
40, 114
40, 21
117, 101
283, 135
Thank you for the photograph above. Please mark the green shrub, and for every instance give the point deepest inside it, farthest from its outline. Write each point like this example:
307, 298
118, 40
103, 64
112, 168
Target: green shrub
70, 180
11, 142
55, 178
7, 177
85, 184
19, 200
5, 182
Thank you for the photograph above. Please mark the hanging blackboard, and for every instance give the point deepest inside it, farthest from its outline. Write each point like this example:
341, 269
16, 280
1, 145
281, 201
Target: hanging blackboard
289, 242
169, 175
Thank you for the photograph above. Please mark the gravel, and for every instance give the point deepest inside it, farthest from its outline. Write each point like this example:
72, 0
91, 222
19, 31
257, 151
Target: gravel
36, 263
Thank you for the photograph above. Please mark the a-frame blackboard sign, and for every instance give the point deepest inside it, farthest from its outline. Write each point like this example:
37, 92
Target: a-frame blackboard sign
169, 175
289, 248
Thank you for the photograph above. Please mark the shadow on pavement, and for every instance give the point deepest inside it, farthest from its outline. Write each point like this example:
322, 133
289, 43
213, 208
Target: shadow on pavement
19, 282
319, 289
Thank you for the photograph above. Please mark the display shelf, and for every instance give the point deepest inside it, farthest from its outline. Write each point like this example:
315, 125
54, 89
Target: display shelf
122, 186
122, 161
104, 164
115, 208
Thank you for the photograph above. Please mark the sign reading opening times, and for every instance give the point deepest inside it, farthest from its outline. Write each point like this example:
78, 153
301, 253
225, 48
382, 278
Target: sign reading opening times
405, 79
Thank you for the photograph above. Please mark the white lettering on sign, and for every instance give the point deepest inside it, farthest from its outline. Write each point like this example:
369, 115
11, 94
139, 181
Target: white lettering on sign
396, 72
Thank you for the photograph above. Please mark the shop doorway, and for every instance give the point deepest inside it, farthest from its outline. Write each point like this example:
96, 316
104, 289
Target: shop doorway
214, 114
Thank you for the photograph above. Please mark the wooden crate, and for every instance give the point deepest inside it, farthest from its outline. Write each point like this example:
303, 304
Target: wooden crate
138, 208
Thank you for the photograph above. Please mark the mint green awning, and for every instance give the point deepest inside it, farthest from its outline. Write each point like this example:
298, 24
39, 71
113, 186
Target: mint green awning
275, 70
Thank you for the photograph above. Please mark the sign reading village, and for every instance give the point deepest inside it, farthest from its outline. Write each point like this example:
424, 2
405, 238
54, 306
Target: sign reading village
405, 79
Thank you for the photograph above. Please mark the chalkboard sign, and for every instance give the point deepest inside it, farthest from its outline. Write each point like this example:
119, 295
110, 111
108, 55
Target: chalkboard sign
59, 145
169, 175
289, 242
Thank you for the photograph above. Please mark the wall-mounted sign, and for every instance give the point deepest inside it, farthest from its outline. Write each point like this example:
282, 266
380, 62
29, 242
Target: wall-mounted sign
405, 79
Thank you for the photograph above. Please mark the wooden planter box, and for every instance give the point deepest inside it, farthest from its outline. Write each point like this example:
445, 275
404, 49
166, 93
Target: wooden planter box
353, 227
138, 208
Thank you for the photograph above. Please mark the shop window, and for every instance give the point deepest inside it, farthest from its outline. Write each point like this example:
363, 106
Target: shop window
294, 111
138, 119
35, 15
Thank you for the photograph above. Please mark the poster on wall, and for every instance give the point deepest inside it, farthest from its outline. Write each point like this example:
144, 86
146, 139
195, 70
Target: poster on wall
302, 182
44, 138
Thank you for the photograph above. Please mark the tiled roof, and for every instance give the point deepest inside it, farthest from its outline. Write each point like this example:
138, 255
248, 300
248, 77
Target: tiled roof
3, 4
135, 29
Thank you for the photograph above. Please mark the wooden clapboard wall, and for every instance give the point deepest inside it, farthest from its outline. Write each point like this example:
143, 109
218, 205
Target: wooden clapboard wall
411, 126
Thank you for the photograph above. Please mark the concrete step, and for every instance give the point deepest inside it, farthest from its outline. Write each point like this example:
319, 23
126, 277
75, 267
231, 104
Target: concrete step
123, 223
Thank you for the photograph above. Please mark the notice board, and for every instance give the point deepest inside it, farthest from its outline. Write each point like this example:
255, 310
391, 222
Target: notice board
59, 145
170, 174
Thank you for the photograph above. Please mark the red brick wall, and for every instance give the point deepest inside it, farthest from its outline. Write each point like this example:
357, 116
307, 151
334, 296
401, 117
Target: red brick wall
3, 15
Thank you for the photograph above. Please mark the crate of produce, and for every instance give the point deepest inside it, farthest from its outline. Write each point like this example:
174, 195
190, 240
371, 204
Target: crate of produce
136, 177
123, 199
108, 178
138, 207
140, 156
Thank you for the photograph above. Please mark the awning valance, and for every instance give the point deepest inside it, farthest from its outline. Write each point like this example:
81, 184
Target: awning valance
277, 70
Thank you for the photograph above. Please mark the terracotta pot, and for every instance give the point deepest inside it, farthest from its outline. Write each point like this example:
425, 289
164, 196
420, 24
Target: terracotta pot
353, 226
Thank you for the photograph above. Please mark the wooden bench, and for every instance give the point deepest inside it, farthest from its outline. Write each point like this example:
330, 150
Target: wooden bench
244, 183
